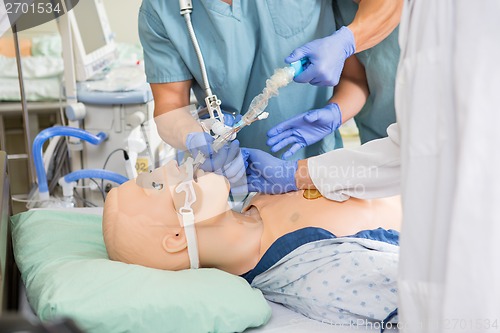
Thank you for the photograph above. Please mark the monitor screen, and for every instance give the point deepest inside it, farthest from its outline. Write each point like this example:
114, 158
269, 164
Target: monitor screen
91, 30
93, 44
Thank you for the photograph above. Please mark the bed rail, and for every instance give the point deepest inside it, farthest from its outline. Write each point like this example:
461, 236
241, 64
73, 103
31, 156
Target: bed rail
9, 275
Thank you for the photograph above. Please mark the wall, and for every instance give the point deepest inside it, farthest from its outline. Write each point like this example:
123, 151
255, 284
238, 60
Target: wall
122, 15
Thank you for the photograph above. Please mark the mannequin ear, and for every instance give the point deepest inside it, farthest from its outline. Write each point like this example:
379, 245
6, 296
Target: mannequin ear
174, 241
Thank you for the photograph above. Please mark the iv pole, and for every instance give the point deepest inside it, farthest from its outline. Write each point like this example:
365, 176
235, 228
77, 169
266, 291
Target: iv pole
24, 107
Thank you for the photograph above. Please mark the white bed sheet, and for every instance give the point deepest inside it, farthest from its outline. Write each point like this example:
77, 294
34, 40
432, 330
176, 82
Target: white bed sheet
285, 320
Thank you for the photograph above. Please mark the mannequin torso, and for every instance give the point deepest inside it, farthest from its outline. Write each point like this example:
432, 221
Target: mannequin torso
283, 214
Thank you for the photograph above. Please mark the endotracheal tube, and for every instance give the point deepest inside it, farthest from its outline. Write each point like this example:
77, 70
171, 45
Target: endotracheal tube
281, 78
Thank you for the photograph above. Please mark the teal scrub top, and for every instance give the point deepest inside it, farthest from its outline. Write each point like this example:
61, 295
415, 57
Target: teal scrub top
242, 45
381, 62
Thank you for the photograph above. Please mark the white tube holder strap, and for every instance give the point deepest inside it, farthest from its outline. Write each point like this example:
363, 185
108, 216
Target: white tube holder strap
187, 215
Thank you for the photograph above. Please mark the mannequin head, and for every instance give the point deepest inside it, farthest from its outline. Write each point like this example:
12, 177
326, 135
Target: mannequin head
141, 224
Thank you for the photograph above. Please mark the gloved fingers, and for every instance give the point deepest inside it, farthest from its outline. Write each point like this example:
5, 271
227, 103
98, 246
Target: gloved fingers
236, 174
248, 152
285, 125
245, 155
229, 119
293, 149
297, 54
335, 113
311, 116
279, 137
235, 169
254, 155
225, 155
233, 151
216, 160
327, 81
260, 161
240, 189
320, 83
286, 142
307, 75
208, 165
199, 142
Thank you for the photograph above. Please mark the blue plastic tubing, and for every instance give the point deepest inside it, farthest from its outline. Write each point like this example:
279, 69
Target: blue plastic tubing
95, 173
58, 131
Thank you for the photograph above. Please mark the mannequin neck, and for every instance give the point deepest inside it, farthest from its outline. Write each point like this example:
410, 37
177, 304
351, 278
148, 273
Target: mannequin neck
230, 241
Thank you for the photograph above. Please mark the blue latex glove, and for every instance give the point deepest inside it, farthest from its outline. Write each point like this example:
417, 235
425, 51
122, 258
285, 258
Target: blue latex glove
304, 129
326, 56
202, 142
229, 118
268, 174
228, 161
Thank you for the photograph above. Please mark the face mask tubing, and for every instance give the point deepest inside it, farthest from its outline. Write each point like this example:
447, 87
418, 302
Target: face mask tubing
187, 215
190, 231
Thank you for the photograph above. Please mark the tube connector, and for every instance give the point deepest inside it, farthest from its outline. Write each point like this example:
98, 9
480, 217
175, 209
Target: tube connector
67, 187
300, 65
186, 6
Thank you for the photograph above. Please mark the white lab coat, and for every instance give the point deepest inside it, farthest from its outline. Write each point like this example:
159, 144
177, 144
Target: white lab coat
448, 110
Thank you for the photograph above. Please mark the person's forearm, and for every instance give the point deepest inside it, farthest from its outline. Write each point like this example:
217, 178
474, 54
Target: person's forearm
173, 113
374, 20
175, 125
352, 91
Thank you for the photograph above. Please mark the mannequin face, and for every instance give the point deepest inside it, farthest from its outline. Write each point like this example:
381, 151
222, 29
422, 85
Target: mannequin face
140, 221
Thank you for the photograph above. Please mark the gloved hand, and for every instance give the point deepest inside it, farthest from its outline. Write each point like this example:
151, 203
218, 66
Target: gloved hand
230, 120
228, 161
326, 56
268, 174
304, 129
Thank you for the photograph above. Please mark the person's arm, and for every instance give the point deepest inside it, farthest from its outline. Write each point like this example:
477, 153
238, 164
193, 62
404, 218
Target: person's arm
352, 91
170, 96
172, 112
308, 128
366, 172
374, 20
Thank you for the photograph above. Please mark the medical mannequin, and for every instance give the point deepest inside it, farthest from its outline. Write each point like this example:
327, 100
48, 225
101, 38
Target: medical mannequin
140, 206
141, 224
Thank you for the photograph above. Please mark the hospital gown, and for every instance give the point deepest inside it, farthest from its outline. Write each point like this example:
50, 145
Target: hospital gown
340, 281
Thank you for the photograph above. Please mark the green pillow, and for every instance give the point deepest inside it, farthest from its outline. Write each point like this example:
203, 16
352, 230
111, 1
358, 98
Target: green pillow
67, 273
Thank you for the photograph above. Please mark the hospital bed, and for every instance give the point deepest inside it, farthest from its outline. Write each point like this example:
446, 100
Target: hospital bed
44, 227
